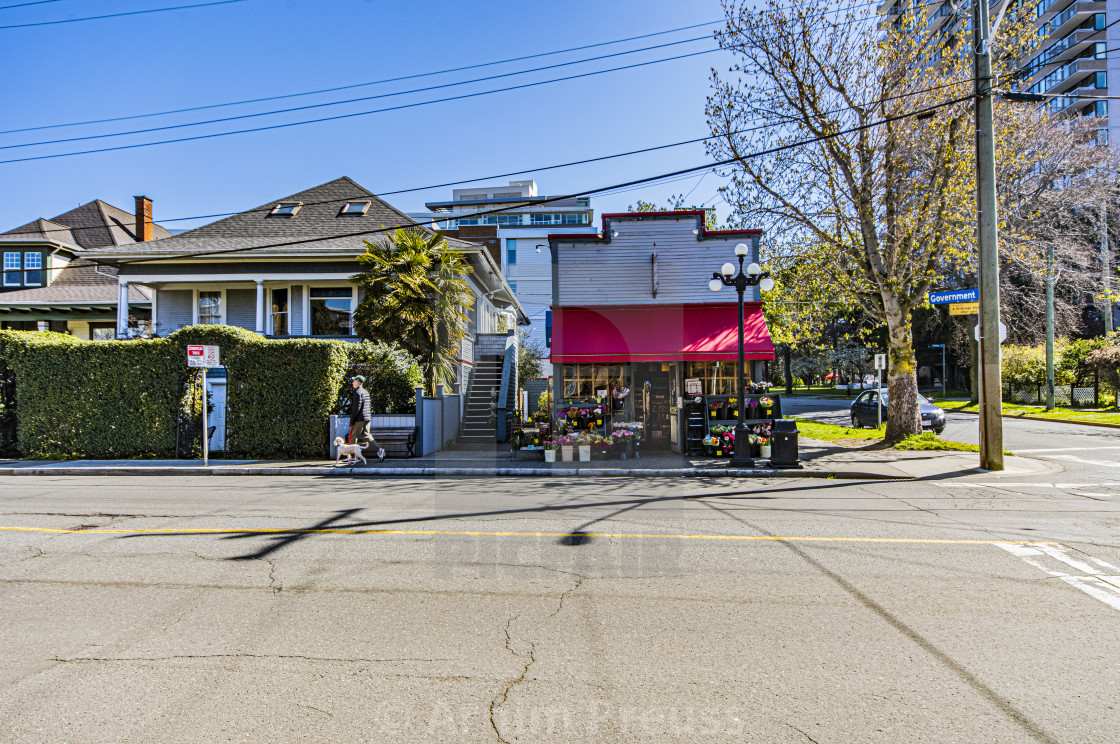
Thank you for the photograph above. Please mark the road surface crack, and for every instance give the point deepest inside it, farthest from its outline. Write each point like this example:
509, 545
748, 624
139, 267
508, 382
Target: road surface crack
579, 582
501, 698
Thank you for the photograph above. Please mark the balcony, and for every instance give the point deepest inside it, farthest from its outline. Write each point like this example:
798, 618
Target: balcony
1068, 19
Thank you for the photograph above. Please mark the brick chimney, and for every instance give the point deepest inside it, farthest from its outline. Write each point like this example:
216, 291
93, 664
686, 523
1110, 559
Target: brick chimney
143, 219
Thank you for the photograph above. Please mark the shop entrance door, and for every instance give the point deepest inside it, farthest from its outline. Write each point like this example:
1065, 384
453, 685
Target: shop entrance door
655, 385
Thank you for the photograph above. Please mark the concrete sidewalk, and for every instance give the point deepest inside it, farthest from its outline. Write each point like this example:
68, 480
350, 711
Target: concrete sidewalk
819, 460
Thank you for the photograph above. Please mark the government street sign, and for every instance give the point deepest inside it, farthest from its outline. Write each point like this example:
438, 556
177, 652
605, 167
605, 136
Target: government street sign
954, 296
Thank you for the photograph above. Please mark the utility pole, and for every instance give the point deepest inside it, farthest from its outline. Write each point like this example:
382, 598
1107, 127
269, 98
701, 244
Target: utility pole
1106, 262
1049, 326
991, 386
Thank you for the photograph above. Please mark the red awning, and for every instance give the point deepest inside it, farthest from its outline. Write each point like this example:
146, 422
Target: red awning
657, 333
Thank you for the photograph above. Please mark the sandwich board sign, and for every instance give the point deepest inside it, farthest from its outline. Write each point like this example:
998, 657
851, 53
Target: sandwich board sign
202, 356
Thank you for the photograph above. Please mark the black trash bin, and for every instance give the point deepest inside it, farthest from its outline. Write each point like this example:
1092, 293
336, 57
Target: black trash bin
783, 445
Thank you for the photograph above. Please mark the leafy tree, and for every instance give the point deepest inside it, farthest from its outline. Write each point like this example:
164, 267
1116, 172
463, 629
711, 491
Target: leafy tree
676, 204
530, 352
832, 160
416, 294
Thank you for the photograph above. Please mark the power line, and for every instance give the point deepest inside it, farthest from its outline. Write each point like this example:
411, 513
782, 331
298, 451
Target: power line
337, 117
550, 167
119, 15
588, 192
359, 85
353, 100
24, 5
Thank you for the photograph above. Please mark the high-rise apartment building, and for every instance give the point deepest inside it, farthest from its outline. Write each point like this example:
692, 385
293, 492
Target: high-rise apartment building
518, 236
1072, 62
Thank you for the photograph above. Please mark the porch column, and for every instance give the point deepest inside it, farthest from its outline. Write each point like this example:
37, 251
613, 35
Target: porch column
122, 309
260, 306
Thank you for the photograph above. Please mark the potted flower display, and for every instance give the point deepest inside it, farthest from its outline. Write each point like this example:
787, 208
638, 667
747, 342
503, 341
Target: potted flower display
766, 403
733, 408
764, 448
583, 442
713, 410
566, 448
599, 416
550, 450
623, 440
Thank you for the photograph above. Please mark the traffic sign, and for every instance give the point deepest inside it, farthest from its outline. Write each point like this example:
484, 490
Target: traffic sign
1002, 332
880, 361
964, 308
202, 356
956, 295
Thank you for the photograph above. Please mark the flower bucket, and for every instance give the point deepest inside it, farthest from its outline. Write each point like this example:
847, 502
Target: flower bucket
764, 451
585, 453
566, 453
550, 455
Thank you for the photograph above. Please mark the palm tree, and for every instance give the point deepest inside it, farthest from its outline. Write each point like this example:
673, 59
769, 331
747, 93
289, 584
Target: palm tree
416, 294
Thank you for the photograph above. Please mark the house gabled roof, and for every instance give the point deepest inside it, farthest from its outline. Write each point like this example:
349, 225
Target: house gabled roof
92, 226
317, 228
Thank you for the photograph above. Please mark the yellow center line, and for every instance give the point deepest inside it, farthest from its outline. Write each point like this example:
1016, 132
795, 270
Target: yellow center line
480, 533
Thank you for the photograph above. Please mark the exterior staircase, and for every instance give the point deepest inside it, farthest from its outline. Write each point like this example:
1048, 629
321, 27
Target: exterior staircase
480, 424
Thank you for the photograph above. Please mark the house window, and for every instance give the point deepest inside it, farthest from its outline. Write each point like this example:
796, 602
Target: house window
509, 219
210, 308
33, 269
102, 331
331, 310
285, 209
513, 287
511, 252
280, 312
11, 270
507, 194
354, 209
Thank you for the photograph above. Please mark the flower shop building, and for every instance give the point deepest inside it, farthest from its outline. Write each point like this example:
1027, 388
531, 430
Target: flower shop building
637, 336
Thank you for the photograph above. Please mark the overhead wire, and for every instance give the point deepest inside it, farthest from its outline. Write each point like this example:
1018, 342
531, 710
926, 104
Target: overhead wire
121, 15
361, 85
587, 192
327, 104
556, 166
24, 5
337, 117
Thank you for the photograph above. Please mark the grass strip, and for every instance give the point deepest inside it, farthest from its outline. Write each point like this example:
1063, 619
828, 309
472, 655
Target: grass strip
1058, 414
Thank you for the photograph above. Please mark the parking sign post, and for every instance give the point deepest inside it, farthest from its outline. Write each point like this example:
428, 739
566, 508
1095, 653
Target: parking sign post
204, 357
880, 365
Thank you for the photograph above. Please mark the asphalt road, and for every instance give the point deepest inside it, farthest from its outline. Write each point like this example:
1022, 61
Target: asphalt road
1090, 451
514, 610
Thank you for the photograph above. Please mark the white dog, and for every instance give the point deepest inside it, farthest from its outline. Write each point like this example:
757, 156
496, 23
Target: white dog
351, 451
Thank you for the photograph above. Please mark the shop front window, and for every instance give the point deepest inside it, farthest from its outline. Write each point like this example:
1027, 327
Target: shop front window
331, 309
717, 378
585, 381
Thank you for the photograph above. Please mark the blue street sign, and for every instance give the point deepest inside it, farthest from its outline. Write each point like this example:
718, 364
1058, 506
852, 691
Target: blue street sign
954, 296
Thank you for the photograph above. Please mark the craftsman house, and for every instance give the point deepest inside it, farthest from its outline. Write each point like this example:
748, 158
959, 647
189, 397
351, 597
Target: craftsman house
52, 282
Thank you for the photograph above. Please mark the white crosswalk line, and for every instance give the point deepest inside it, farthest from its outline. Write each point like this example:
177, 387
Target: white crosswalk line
1100, 586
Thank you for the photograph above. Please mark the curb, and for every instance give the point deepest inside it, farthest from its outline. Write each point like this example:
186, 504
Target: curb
1029, 417
469, 472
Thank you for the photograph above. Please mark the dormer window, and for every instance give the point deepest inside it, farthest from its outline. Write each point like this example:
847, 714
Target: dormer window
354, 209
285, 209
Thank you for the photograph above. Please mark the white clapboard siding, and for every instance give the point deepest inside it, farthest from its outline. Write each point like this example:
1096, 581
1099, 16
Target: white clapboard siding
621, 272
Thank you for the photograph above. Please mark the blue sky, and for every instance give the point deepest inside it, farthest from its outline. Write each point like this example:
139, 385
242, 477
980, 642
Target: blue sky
147, 63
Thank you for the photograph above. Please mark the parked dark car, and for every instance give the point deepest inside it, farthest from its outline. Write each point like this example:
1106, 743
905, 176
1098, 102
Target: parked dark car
863, 411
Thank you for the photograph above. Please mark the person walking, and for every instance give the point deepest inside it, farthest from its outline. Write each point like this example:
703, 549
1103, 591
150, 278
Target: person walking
360, 417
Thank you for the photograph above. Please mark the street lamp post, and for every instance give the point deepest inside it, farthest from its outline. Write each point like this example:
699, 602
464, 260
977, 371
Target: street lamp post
752, 276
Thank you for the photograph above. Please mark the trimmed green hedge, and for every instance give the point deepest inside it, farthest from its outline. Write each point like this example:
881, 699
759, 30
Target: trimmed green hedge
392, 376
119, 399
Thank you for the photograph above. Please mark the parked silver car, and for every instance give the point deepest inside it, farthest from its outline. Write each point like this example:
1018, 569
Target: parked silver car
863, 411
